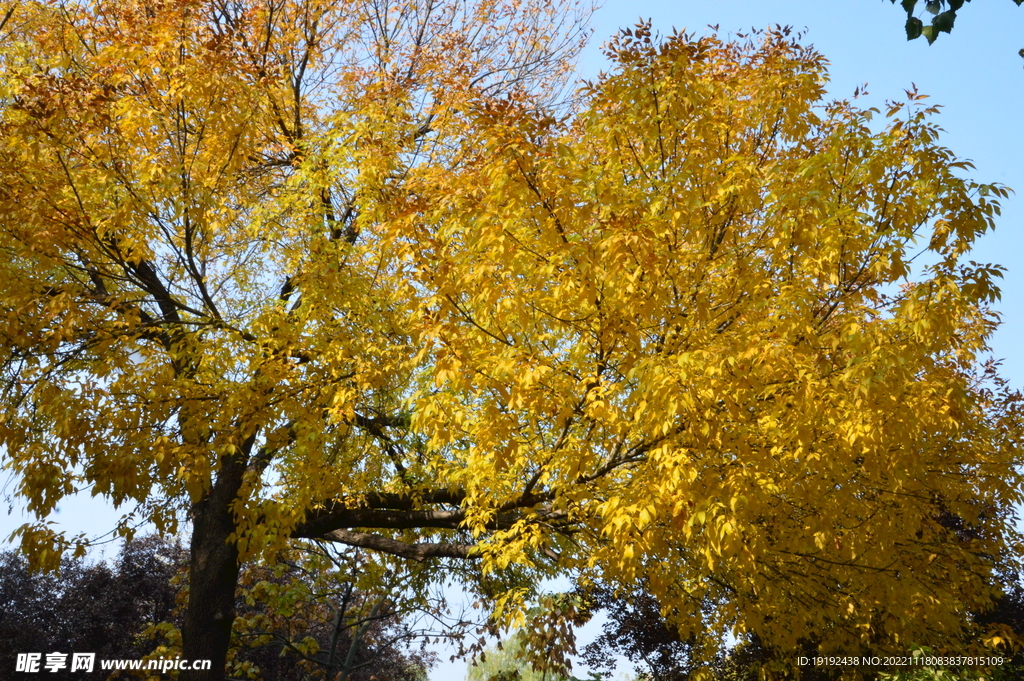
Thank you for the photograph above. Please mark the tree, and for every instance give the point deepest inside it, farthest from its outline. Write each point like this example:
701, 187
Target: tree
721, 364
87, 607
636, 630
234, 352
670, 334
507, 662
287, 620
943, 17
306, 620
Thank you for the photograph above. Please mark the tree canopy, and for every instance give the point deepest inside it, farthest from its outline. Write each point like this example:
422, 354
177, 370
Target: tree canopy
88, 607
294, 623
352, 271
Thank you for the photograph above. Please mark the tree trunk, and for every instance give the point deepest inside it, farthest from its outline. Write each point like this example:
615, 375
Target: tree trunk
213, 577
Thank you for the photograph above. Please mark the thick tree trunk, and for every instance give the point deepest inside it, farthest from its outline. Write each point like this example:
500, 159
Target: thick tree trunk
213, 577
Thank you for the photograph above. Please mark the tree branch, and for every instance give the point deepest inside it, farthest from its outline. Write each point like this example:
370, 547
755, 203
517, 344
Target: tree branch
417, 552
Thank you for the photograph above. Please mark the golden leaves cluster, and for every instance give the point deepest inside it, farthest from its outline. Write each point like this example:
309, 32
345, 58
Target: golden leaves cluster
187, 279
707, 327
728, 329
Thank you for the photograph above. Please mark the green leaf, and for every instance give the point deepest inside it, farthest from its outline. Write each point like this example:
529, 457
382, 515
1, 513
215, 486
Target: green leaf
933, 6
944, 22
930, 33
914, 28
957, 4
908, 5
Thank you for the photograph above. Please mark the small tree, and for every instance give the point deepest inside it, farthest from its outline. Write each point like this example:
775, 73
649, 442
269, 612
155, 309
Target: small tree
510, 660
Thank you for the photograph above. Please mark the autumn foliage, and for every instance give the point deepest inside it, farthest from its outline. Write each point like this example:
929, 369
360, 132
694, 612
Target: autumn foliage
350, 271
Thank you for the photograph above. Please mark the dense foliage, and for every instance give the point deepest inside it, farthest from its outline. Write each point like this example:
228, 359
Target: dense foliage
350, 271
88, 607
294, 624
